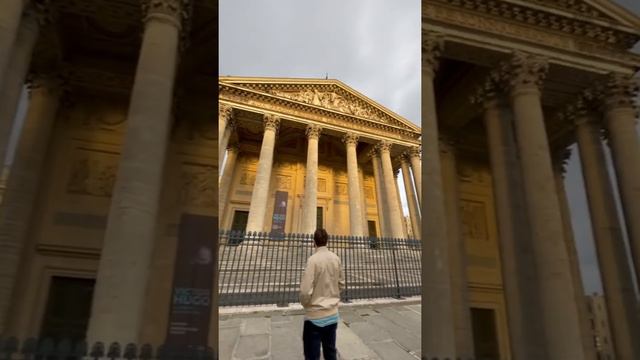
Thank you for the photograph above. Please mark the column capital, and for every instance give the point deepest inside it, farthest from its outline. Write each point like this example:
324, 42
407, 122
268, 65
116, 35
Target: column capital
313, 131
373, 153
225, 112
350, 139
384, 146
271, 122
176, 12
491, 91
447, 143
415, 151
619, 91
432, 46
525, 71
405, 158
561, 160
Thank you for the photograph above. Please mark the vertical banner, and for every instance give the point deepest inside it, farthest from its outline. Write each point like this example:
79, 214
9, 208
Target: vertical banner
191, 299
279, 213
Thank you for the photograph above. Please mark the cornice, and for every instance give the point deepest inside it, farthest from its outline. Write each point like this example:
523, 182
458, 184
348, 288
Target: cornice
475, 20
244, 95
607, 33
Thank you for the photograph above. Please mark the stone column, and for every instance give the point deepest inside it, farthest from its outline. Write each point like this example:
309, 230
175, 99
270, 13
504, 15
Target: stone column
576, 277
405, 229
457, 251
225, 128
10, 16
23, 183
395, 213
438, 337
523, 307
14, 80
620, 121
260, 193
310, 201
355, 210
615, 269
226, 178
412, 201
121, 282
363, 201
560, 311
383, 212
416, 167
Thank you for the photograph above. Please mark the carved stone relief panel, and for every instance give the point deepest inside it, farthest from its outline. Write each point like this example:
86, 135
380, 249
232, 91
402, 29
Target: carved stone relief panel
472, 173
322, 185
93, 173
97, 116
283, 182
368, 192
199, 186
474, 221
341, 189
248, 177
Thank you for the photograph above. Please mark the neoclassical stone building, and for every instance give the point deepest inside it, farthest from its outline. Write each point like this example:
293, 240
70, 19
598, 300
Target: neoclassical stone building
308, 153
118, 144
509, 86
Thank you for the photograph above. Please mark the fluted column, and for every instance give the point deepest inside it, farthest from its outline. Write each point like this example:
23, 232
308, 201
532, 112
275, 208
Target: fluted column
383, 212
412, 201
620, 121
10, 16
225, 128
310, 201
614, 267
438, 337
260, 193
560, 311
355, 210
226, 178
416, 167
123, 271
14, 80
457, 251
23, 183
395, 212
523, 307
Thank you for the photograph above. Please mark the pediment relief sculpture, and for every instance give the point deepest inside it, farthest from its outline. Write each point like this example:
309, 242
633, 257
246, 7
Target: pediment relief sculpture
330, 100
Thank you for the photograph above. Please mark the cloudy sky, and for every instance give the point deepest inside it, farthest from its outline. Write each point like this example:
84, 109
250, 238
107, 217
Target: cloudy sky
372, 46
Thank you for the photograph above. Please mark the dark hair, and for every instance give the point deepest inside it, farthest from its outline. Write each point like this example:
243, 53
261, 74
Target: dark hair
320, 237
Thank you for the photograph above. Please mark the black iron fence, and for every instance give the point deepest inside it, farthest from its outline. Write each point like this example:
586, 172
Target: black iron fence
66, 349
265, 268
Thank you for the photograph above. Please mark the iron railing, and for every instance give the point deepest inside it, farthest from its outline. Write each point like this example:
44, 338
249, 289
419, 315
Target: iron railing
66, 349
266, 268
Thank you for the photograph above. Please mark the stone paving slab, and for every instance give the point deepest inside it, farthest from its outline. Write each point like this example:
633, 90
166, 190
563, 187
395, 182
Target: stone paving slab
368, 332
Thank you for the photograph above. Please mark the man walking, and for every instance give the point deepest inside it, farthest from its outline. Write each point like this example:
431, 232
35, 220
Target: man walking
320, 288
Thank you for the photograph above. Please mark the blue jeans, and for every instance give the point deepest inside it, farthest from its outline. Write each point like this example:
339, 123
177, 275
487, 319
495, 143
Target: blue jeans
313, 336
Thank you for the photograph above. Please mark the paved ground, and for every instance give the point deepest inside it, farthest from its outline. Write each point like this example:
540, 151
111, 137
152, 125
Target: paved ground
366, 331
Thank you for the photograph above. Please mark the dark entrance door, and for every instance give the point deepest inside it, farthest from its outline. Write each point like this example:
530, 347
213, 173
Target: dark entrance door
320, 218
68, 308
240, 219
372, 228
485, 335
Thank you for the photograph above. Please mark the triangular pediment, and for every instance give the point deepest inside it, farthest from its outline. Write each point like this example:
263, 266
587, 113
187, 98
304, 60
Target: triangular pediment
328, 94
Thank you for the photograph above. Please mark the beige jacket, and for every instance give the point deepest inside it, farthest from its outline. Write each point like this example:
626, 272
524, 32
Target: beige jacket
321, 284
